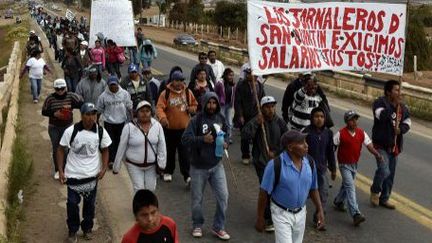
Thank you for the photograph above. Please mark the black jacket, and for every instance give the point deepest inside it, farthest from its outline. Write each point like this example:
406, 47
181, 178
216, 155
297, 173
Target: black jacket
321, 147
383, 132
244, 100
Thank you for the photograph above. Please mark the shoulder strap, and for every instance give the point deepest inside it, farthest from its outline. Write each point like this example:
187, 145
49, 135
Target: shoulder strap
311, 161
100, 135
145, 135
167, 91
74, 133
277, 170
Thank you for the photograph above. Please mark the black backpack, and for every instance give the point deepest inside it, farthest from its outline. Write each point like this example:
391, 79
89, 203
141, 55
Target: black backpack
277, 168
75, 132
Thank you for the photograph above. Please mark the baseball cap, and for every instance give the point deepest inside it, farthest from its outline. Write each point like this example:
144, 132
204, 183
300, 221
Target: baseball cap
292, 136
350, 115
143, 103
32, 32
92, 69
177, 75
87, 108
59, 83
132, 68
84, 43
112, 80
267, 100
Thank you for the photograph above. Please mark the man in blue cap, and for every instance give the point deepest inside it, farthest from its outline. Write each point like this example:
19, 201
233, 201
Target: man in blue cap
83, 168
138, 88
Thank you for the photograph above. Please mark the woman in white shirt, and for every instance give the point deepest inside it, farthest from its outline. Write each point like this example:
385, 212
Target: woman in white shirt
142, 148
36, 66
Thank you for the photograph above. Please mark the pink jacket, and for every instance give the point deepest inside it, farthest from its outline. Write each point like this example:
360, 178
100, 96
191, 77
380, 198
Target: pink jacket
98, 56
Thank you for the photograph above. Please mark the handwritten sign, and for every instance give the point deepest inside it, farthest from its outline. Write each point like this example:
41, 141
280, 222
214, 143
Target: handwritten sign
291, 37
114, 19
69, 15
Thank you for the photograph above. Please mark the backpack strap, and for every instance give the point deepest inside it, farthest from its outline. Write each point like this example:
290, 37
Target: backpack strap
74, 133
167, 92
100, 135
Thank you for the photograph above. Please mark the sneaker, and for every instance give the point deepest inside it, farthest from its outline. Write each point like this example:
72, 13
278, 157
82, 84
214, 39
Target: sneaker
197, 233
221, 234
167, 177
188, 181
339, 206
358, 219
110, 165
245, 161
269, 228
231, 141
387, 205
374, 199
88, 235
72, 238
35, 101
56, 175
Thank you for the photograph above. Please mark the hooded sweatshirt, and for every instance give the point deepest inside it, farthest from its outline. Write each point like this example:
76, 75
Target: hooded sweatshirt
175, 107
115, 107
203, 154
274, 130
90, 90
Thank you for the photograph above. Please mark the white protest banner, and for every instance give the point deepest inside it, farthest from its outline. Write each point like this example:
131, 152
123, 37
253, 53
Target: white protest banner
114, 19
69, 15
297, 37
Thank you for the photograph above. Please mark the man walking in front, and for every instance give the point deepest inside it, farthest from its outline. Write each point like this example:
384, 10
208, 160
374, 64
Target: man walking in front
391, 121
288, 181
206, 164
83, 168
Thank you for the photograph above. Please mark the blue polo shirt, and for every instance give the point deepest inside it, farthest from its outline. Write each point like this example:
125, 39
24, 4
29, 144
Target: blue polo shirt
294, 185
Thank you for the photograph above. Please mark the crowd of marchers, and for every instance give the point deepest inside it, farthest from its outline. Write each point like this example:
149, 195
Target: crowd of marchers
147, 121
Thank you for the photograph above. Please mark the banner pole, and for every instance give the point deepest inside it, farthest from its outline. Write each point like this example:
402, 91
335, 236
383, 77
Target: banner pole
260, 113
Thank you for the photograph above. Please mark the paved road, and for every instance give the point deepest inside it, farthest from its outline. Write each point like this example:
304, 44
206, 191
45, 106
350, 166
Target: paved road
411, 181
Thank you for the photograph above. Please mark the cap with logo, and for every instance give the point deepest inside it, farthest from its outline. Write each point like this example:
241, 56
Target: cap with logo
84, 43
267, 100
88, 108
32, 32
59, 83
92, 69
132, 68
351, 114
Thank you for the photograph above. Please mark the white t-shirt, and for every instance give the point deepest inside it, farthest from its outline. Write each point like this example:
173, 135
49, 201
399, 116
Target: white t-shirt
83, 159
366, 140
36, 67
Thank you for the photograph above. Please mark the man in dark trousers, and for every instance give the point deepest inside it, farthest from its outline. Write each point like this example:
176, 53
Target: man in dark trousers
288, 190
245, 107
391, 121
275, 127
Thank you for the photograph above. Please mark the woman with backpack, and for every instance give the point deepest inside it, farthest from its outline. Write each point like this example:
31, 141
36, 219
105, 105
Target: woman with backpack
115, 57
142, 161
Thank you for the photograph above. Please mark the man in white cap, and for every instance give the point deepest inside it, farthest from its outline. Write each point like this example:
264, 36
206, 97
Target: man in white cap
84, 54
275, 127
58, 107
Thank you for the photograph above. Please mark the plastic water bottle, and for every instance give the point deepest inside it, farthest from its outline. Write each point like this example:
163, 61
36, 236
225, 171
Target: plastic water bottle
220, 144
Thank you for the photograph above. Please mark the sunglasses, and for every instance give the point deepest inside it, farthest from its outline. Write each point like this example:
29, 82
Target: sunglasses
203, 58
59, 89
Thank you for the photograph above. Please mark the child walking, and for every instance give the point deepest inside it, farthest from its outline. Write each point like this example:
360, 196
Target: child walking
349, 141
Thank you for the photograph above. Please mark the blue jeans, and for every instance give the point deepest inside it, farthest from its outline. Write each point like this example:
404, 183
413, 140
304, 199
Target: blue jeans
347, 191
71, 83
133, 57
384, 175
217, 180
88, 211
35, 86
323, 187
228, 112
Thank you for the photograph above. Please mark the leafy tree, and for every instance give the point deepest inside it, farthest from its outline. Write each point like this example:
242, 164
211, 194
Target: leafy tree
195, 11
417, 43
229, 14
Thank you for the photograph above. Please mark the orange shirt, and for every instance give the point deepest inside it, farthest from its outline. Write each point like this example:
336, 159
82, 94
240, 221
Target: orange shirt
166, 232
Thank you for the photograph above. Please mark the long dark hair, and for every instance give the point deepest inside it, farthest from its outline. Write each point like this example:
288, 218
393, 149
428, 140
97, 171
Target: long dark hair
148, 49
225, 74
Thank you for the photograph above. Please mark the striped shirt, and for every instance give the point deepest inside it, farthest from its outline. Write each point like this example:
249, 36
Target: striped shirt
65, 103
302, 107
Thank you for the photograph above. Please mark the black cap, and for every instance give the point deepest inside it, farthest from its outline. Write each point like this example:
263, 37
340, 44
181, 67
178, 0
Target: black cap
350, 115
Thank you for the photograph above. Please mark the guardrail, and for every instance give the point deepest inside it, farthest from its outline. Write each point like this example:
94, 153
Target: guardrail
9, 92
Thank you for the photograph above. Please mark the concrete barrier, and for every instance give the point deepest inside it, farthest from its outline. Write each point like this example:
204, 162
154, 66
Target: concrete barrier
9, 92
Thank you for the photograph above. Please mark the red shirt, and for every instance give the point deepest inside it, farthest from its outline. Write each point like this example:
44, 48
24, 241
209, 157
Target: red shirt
166, 232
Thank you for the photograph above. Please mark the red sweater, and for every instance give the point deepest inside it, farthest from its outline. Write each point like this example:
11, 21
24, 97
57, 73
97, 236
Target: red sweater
350, 146
166, 232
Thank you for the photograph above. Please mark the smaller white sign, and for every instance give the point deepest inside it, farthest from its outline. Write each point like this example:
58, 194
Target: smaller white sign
69, 15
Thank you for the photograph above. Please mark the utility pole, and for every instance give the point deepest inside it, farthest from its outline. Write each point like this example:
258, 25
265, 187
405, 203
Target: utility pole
141, 7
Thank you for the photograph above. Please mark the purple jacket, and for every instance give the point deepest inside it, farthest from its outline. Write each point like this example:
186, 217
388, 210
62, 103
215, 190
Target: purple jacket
220, 91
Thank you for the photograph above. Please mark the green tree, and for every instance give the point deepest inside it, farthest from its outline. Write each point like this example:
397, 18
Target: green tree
228, 14
416, 42
195, 11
